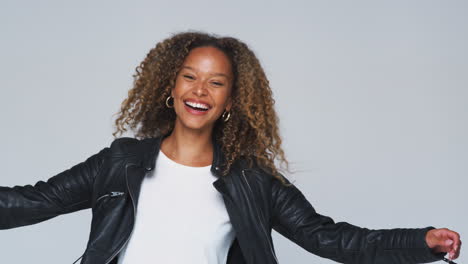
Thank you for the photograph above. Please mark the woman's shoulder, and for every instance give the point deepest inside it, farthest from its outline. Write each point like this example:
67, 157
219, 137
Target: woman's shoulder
123, 141
125, 146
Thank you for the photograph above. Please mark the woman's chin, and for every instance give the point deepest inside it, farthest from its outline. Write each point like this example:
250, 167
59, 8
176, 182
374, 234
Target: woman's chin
196, 125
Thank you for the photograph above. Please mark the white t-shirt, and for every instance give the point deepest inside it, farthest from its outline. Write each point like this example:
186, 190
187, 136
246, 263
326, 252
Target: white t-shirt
181, 218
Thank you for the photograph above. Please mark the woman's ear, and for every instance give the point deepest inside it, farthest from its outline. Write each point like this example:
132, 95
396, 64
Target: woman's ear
229, 104
172, 91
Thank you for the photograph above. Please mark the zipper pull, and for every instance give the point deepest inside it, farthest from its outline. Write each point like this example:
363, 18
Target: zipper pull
113, 194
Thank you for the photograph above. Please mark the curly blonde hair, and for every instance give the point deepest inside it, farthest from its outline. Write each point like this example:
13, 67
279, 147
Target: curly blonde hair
252, 131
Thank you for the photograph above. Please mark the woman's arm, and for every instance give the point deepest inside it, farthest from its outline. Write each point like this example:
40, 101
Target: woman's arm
63, 193
295, 218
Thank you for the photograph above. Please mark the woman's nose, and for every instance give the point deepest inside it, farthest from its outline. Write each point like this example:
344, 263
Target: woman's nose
200, 89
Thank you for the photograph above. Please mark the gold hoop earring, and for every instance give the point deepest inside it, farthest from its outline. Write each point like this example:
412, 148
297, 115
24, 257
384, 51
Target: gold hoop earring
224, 117
167, 102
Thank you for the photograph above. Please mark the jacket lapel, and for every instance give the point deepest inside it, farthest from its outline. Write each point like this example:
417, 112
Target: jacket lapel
135, 171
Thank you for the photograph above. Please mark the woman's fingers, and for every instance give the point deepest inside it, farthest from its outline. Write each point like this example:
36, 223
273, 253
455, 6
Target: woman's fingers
456, 249
455, 242
444, 240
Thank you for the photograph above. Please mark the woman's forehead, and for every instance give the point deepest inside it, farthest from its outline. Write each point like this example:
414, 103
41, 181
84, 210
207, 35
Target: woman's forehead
208, 59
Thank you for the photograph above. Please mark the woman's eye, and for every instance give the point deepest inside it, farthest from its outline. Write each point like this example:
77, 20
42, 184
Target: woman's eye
217, 83
189, 77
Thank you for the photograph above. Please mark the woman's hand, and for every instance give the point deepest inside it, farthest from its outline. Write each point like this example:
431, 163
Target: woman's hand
444, 240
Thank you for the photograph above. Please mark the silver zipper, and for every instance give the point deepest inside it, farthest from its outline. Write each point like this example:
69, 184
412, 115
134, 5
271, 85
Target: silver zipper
134, 216
111, 194
258, 217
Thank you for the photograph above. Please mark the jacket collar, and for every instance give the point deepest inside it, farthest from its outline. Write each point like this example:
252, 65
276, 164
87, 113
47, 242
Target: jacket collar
151, 150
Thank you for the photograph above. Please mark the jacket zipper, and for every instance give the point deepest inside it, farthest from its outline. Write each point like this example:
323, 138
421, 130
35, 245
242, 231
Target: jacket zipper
258, 217
134, 217
110, 194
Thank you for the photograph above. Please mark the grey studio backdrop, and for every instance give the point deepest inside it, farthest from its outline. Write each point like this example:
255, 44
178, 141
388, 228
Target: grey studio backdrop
372, 98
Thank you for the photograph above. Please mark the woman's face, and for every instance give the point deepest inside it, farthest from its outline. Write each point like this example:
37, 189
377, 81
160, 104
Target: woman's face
202, 88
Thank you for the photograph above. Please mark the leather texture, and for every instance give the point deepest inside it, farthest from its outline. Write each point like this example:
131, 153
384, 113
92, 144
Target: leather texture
109, 182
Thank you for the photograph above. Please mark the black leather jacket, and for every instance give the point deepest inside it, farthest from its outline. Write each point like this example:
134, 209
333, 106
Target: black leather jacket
109, 181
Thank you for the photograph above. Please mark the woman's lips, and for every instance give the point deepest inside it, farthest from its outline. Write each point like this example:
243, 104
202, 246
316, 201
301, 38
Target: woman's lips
194, 111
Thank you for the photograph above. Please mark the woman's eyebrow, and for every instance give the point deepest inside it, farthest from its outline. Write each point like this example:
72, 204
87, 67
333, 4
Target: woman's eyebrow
215, 74
188, 67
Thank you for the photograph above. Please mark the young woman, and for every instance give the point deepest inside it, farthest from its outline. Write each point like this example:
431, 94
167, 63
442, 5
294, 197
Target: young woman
198, 182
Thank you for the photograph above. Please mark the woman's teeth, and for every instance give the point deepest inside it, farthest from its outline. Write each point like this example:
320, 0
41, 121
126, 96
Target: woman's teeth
197, 106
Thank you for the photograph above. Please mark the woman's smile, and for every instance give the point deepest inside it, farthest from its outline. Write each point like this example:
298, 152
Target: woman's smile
196, 107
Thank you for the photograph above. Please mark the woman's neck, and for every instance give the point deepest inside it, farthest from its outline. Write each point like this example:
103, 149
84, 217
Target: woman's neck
189, 147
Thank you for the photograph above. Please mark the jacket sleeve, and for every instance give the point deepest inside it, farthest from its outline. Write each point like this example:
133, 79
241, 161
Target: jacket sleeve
295, 218
66, 192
